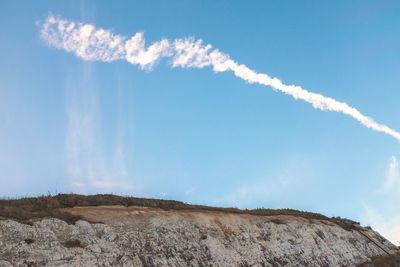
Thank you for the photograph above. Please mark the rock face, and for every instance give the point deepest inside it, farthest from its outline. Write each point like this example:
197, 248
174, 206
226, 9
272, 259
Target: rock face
133, 236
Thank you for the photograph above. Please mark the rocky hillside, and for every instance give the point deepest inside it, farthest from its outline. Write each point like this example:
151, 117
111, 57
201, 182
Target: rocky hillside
77, 231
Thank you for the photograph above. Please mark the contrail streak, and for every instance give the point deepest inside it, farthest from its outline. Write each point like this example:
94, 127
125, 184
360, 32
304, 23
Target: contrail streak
91, 43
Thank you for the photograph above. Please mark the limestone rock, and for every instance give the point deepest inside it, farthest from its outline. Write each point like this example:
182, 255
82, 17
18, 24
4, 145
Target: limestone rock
132, 236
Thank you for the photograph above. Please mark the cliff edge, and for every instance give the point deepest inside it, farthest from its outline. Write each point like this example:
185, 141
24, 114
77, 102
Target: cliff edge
157, 235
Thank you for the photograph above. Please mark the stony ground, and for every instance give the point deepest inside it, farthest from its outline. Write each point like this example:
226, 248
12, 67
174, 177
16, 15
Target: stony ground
140, 236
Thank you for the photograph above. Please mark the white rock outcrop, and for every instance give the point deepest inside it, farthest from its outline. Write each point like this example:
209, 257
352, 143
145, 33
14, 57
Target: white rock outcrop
152, 237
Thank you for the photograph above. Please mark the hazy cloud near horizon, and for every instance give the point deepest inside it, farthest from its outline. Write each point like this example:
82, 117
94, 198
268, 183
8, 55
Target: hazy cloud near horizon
387, 220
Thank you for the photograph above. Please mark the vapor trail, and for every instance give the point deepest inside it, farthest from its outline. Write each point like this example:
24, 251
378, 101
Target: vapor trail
91, 43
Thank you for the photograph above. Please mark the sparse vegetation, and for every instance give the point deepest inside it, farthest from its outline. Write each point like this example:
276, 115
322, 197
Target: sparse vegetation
27, 209
383, 261
29, 241
320, 234
73, 243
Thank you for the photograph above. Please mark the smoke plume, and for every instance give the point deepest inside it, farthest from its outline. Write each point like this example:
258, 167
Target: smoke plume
91, 43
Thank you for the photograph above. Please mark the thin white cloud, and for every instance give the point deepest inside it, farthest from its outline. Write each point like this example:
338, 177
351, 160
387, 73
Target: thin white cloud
90, 170
90, 43
386, 218
292, 175
387, 226
392, 182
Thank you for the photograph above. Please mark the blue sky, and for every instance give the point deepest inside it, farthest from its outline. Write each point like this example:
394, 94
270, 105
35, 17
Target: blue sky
73, 125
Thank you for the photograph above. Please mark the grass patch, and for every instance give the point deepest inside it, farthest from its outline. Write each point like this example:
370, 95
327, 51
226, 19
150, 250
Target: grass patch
29, 208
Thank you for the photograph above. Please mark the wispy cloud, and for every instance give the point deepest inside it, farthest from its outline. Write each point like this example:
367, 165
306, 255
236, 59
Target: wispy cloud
392, 182
90, 170
271, 189
91, 43
387, 219
387, 226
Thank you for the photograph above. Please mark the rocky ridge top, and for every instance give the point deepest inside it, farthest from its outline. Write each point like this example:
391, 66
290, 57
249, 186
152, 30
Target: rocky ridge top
132, 235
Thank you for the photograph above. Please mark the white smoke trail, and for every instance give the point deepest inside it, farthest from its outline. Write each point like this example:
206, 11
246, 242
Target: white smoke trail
90, 43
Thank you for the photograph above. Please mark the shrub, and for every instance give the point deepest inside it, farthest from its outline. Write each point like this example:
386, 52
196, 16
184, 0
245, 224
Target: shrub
73, 243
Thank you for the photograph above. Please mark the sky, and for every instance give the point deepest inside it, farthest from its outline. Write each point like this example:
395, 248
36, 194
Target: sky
206, 127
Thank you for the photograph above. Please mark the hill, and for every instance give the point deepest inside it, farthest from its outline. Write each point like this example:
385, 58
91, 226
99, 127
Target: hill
109, 230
